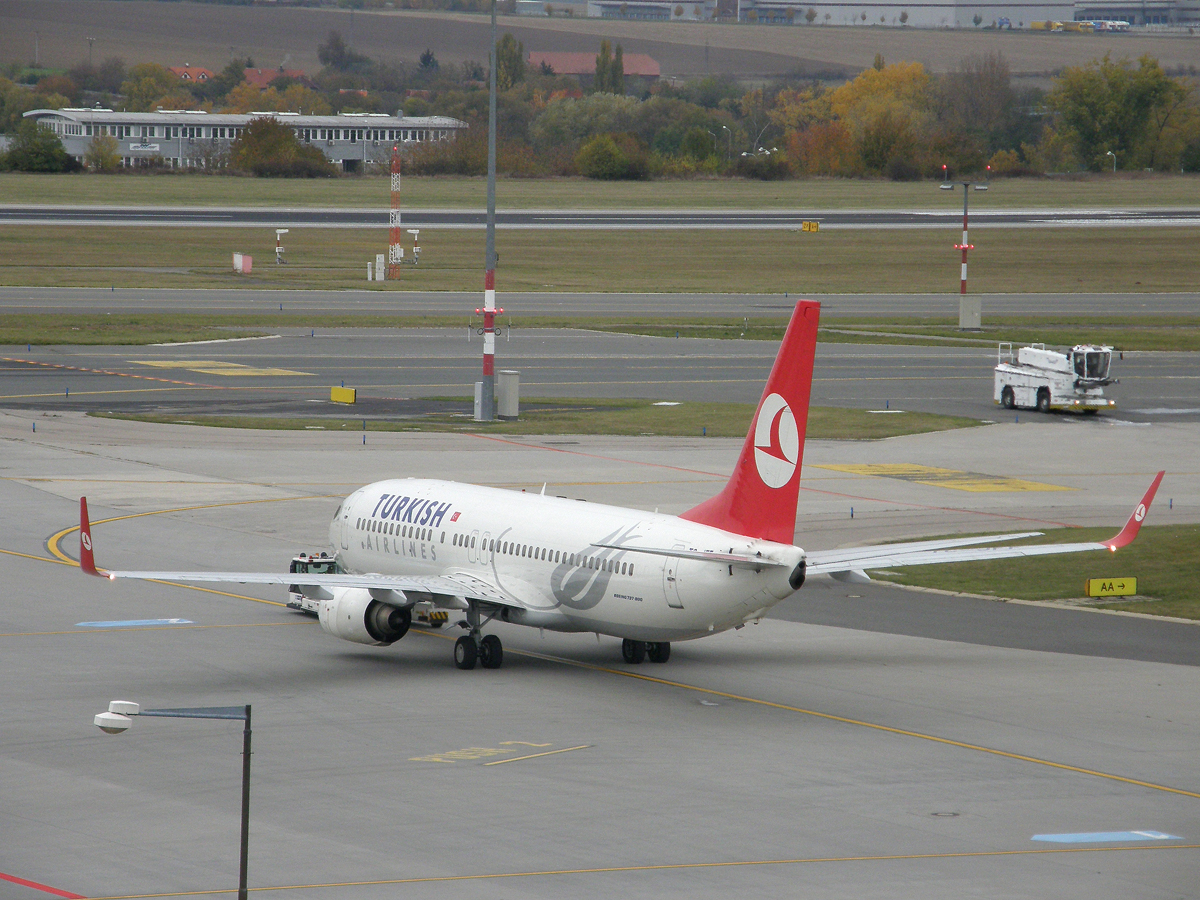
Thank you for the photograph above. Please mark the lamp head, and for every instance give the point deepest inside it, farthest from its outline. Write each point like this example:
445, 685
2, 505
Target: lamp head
112, 723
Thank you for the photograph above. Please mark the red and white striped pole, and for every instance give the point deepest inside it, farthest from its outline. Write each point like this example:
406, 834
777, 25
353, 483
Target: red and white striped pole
487, 402
965, 245
395, 251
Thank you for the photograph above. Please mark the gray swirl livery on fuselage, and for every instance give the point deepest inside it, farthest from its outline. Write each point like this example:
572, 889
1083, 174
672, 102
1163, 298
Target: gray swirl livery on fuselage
583, 586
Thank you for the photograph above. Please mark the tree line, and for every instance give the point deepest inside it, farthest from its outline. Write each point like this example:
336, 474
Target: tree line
893, 120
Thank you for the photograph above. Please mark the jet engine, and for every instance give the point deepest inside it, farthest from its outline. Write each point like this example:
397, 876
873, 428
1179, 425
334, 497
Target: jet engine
354, 615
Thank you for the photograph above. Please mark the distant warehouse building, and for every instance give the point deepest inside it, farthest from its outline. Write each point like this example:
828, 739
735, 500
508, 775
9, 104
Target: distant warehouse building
195, 139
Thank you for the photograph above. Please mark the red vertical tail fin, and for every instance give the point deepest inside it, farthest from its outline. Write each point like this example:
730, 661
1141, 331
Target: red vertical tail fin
760, 499
87, 561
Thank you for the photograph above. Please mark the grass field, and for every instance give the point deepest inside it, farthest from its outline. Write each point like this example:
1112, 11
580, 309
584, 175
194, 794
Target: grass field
1078, 192
1109, 260
623, 417
1165, 560
1176, 333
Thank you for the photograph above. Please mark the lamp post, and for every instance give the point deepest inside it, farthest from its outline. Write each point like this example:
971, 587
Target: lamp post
90, 41
117, 720
969, 314
487, 400
729, 149
1114, 158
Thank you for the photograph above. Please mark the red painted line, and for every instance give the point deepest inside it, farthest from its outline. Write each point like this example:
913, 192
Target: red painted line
40, 887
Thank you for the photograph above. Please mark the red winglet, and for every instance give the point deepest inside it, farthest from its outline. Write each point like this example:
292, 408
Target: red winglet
1130, 531
87, 561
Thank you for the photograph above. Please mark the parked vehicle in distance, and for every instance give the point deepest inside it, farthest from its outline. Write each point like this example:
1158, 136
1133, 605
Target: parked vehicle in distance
1041, 379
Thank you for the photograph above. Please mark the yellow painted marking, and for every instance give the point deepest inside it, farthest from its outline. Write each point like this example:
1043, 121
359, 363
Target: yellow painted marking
465, 755
833, 718
730, 864
500, 762
53, 542
61, 562
947, 478
522, 743
215, 367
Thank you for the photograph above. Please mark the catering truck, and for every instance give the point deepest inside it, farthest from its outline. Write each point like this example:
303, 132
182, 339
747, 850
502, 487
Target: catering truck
1036, 378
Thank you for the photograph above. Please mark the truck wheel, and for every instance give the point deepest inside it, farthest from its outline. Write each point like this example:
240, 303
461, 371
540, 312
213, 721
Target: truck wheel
1006, 398
1043, 400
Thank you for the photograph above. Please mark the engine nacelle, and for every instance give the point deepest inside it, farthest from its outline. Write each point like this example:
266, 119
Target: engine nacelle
353, 615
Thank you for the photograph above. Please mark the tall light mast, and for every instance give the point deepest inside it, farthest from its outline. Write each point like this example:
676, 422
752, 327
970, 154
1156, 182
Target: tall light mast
487, 405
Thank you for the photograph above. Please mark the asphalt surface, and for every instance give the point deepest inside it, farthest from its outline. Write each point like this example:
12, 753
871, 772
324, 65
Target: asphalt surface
393, 371
17, 299
881, 744
241, 217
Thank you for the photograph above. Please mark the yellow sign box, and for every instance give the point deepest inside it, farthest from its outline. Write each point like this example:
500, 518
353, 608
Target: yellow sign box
342, 394
1110, 587
810, 226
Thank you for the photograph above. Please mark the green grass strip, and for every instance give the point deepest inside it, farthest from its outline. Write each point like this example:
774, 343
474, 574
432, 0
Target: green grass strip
1176, 333
587, 417
1165, 559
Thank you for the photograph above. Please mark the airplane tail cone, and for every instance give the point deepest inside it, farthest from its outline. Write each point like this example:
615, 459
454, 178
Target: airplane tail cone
760, 498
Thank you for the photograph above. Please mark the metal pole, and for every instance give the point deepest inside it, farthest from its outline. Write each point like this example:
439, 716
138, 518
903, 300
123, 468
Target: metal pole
965, 243
487, 410
242, 892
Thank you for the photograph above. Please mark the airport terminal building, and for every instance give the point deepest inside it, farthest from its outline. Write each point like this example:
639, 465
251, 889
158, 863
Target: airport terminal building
197, 139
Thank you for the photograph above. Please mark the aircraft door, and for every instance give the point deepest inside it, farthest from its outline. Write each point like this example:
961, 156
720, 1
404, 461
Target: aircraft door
485, 556
473, 552
671, 581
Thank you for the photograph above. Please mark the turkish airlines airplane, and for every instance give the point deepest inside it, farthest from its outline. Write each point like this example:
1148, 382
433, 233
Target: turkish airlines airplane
566, 565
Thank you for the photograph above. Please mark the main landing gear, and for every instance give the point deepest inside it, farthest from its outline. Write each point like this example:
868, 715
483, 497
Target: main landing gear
634, 652
474, 647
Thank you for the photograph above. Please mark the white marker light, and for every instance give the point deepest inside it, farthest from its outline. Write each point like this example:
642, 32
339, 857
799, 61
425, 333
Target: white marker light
112, 723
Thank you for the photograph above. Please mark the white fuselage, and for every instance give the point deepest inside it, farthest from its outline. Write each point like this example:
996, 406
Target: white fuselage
540, 552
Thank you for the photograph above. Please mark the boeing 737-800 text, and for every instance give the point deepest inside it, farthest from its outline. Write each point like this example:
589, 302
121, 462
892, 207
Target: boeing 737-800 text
553, 563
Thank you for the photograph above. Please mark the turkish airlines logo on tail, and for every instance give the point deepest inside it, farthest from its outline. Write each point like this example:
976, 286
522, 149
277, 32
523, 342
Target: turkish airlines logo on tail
87, 540
1141, 512
776, 442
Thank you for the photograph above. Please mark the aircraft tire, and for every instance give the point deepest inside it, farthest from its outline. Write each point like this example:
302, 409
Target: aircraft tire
659, 652
465, 652
491, 652
633, 652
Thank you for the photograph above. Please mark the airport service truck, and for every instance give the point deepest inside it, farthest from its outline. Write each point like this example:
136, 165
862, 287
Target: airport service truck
423, 613
1037, 378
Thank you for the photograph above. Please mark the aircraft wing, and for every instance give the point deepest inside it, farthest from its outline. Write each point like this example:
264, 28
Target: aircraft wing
850, 564
459, 584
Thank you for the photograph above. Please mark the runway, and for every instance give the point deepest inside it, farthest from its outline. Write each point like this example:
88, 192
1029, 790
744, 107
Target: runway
847, 747
291, 375
241, 217
289, 303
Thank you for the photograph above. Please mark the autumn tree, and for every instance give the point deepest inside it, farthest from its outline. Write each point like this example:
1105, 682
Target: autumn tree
147, 84
267, 147
1108, 106
886, 112
37, 149
103, 153
510, 62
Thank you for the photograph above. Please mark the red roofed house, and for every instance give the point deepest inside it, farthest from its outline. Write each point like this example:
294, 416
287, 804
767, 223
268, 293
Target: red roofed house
583, 65
194, 74
262, 78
